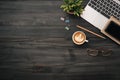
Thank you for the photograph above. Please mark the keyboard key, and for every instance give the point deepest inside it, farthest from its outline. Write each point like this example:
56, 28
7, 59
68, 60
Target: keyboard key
103, 13
106, 7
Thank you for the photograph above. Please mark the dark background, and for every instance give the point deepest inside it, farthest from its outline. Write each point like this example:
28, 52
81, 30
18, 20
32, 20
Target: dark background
34, 45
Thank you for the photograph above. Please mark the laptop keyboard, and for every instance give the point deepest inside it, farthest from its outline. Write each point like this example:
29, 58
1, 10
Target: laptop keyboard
106, 7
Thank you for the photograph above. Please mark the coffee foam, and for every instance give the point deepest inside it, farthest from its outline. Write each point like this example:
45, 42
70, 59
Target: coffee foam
79, 37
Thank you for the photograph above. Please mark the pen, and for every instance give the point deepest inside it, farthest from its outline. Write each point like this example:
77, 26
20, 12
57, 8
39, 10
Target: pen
90, 32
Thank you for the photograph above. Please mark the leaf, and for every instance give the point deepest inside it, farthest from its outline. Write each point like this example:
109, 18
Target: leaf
66, 1
73, 5
62, 6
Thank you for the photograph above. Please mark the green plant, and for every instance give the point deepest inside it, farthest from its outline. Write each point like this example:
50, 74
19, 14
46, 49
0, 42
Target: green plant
74, 6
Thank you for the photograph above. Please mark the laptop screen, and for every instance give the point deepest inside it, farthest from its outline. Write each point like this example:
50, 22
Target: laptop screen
113, 29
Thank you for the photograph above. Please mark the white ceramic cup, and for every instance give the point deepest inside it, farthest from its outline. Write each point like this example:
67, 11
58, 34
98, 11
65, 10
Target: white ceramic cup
79, 37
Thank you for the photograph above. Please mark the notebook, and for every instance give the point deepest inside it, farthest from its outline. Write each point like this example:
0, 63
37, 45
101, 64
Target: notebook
112, 29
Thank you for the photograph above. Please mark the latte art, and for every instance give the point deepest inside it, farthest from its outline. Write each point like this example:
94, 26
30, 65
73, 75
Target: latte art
79, 37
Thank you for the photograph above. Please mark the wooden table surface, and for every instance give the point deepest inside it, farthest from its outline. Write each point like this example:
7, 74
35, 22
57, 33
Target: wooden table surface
34, 44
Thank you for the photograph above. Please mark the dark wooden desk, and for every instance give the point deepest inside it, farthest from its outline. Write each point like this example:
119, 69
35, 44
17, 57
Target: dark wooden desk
34, 45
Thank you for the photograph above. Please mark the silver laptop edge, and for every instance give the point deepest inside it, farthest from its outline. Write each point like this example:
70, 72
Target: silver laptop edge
94, 17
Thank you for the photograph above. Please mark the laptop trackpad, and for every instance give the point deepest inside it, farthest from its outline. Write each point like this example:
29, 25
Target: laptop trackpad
93, 17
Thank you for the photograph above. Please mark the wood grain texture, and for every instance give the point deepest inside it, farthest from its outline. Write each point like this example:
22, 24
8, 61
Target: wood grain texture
34, 45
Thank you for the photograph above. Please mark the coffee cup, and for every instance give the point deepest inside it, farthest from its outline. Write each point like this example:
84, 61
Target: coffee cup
79, 37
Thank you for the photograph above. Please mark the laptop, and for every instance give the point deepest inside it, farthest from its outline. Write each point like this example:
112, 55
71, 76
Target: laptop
97, 12
102, 14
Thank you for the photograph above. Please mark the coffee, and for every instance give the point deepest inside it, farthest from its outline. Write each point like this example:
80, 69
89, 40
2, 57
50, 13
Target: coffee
79, 37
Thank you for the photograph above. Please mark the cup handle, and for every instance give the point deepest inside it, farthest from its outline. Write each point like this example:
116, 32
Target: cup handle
86, 41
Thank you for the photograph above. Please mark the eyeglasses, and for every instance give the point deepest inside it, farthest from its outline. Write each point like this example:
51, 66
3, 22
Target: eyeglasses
99, 51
